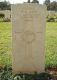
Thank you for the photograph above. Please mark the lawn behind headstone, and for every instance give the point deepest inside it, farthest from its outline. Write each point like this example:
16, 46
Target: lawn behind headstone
5, 43
51, 44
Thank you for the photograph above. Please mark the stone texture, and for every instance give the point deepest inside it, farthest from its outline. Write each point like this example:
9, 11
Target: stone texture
29, 23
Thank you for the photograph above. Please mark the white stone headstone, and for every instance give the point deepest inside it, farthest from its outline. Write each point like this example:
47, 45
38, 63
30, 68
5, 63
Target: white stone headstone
29, 23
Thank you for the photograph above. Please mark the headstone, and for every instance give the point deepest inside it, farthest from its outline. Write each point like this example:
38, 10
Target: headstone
29, 23
7, 14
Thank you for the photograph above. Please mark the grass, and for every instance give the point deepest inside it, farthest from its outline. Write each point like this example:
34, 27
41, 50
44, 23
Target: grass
6, 50
51, 44
5, 43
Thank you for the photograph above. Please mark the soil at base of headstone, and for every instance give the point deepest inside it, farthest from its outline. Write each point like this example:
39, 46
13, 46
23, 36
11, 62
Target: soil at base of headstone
52, 71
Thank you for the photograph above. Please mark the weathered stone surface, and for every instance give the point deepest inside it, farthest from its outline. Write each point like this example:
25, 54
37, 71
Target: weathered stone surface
28, 22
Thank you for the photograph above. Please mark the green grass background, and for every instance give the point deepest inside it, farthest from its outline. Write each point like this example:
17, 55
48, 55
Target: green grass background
50, 44
5, 43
